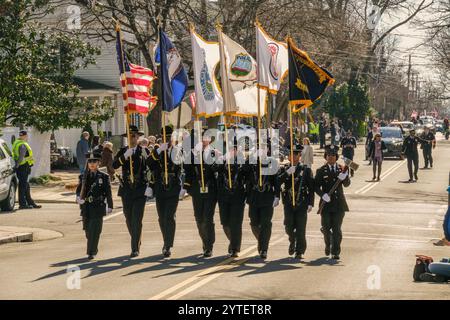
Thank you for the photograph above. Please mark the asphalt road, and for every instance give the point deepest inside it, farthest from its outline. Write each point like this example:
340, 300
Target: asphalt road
388, 224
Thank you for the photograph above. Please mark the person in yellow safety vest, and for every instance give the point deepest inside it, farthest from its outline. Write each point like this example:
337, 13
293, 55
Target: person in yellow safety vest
23, 155
314, 132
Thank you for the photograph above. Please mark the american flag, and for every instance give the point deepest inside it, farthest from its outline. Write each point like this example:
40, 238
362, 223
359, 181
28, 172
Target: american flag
136, 81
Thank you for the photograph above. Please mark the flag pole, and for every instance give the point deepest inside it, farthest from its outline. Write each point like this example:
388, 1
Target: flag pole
259, 107
291, 134
197, 120
163, 113
124, 75
223, 66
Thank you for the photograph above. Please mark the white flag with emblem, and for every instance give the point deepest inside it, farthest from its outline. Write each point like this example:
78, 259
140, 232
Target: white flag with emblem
273, 60
206, 59
239, 79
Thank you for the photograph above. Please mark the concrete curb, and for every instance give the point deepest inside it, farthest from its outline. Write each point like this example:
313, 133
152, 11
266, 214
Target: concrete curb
17, 237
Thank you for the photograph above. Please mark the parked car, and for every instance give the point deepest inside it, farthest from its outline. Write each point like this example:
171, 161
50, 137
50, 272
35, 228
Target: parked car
405, 125
8, 179
439, 126
393, 139
61, 158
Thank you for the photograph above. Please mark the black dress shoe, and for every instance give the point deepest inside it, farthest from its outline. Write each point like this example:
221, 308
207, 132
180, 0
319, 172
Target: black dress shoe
166, 252
234, 254
207, 253
263, 254
91, 257
335, 257
327, 251
36, 206
25, 207
415, 176
291, 249
298, 256
134, 254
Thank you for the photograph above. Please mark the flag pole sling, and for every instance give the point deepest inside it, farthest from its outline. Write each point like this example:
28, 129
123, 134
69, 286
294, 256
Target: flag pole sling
199, 133
126, 101
228, 161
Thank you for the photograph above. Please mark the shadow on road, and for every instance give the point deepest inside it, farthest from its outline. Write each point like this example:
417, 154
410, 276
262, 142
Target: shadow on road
99, 266
197, 262
324, 261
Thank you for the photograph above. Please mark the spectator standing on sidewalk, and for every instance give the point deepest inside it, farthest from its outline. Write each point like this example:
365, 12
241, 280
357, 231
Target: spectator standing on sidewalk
107, 159
23, 155
82, 150
307, 153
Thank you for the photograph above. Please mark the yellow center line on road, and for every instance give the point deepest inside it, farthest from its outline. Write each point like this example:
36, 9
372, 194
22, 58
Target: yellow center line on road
214, 272
369, 186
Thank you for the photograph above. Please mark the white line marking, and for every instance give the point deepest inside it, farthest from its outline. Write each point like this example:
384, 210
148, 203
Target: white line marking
216, 274
372, 185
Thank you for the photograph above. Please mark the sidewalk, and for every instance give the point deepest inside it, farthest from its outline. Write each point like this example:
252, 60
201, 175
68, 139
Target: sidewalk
61, 194
10, 234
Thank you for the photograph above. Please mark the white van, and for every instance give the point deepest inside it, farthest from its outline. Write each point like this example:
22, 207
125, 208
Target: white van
8, 179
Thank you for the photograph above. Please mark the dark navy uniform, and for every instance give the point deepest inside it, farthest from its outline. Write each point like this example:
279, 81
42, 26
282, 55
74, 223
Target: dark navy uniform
204, 201
232, 201
333, 212
295, 216
412, 154
133, 192
428, 143
261, 201
167, 195
348, 145
96, 195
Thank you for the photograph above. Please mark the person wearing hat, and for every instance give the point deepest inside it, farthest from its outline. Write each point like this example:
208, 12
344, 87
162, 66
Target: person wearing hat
134, 188
348, 145
95, 199
204, 196
167, 194
23, 156
262, 199
295, 215
409, 149
232, 199
335, 205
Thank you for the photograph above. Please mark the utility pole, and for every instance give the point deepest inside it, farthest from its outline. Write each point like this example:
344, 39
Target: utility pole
407, 93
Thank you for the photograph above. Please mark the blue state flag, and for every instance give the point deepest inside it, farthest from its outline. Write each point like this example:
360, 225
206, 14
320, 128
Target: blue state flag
173, 77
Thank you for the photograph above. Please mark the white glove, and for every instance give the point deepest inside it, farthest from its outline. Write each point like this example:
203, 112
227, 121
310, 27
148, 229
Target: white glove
79, 200
148, 192
309, 208
276, 202
162, 147
198, 147
291, 170
326, 197
109, 210
182, 193
128, 153
343, 175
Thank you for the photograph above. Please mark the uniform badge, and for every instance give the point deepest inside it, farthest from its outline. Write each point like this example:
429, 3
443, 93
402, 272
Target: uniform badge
100, 181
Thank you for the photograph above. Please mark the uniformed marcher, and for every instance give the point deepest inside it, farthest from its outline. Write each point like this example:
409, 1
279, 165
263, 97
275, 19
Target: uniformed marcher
133, 189
412, 154
95, 200
23, 156
166, 194
232, 200
262, 200
295, 216
204, 196
348, 145
428, 141
335, 204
